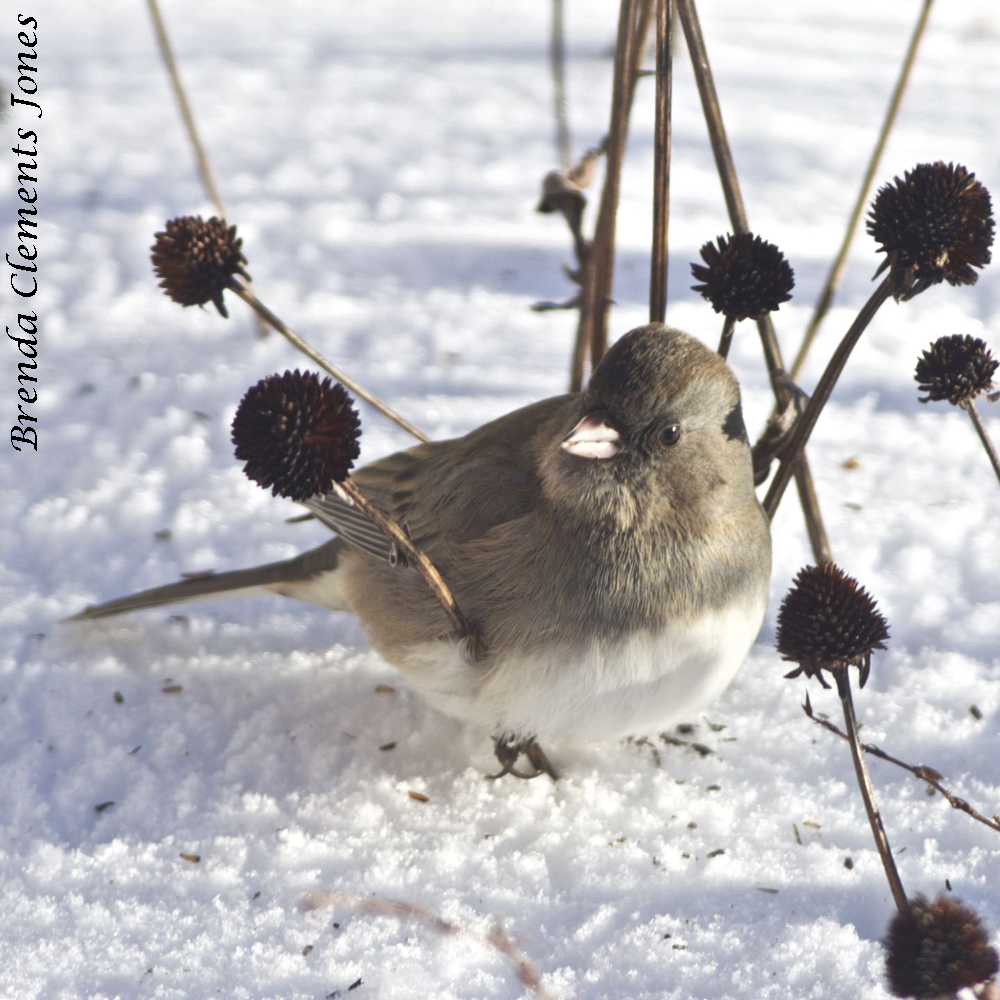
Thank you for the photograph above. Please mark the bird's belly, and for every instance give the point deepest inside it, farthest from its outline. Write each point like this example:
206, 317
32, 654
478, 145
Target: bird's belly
599, 691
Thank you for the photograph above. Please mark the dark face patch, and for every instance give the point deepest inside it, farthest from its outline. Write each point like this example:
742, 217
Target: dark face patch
733, 426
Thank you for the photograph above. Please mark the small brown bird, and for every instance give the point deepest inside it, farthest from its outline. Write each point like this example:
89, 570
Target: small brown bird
607, 545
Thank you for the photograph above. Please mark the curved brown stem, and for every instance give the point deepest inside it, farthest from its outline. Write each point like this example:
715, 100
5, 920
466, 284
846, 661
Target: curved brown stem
977, 422
415, 556
868, 793
200, 156
726, 340
497, 938
726, 167
805, 424
661, 164
310, 352
187, 118
600, 267
921, 771
598, 273
688, 17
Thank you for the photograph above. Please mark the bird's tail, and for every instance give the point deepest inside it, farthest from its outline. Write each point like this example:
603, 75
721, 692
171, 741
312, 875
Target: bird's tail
297, 577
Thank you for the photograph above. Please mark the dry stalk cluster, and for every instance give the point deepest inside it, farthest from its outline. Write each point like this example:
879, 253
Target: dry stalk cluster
934, 225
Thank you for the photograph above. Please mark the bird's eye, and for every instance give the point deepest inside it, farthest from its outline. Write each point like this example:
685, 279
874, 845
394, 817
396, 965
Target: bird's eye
672, 434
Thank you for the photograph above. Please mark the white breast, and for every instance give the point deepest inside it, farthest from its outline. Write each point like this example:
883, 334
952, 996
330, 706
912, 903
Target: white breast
601, 692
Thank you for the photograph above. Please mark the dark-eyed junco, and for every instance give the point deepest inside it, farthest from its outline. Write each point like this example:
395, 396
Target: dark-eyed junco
607, 545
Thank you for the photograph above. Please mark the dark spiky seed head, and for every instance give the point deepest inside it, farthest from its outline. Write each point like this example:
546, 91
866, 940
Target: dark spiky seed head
957, 368
937, 949
297, 435
828, 621
936, 224
195, 259
743, 276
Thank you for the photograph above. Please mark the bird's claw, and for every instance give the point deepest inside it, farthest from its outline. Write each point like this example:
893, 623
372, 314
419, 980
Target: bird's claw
509, 750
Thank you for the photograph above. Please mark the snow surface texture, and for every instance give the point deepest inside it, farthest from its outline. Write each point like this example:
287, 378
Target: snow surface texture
383, 162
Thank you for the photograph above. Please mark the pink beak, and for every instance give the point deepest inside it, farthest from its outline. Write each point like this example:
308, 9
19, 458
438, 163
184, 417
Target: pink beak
593, 437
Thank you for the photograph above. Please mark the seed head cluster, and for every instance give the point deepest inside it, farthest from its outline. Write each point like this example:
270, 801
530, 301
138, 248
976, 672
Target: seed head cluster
743, 276
937, 949
936, 224
195, 259
956, 368
828, 621
297, 435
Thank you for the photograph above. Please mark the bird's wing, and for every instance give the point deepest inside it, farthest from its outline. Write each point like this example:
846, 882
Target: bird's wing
449, 492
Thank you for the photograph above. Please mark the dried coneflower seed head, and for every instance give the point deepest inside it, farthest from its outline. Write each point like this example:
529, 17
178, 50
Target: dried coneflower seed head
195, 259
560, 194
957, 368
297, 435
936, 224
558, 191
743, 276
827, 621
937, 949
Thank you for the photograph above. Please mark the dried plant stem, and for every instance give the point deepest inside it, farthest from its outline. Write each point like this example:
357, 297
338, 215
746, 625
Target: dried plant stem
726, 339
644, 21
292, 337
805, 424
497, 938
688, 17
837, 268
598, 274
643, 26
726, 167
868, 793
977, 422
597, 270
921, 771
415, 556
809, 501
578, 361
558, 56
661, 164
187, 117
201, 158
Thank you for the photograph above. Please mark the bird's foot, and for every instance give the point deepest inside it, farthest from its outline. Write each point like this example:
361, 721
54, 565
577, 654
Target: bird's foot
509, 750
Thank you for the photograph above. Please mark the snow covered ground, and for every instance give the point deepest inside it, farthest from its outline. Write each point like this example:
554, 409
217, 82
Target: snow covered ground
383, 161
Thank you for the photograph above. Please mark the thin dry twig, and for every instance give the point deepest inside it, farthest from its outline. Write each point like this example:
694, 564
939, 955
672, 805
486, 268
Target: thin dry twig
725, 165
402, 543
688, 16
310, 352
200, 156
868, 792
921, 771
661, 163
977, 421
547, 306
558, 56
726, 337
832, 282
599, 269
597, 272
497, 938
187, 117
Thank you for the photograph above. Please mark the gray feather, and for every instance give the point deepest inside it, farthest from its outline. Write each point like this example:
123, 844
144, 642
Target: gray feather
278, 577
